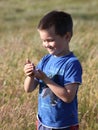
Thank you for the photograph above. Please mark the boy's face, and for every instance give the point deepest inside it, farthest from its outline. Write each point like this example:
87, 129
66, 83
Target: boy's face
55, 44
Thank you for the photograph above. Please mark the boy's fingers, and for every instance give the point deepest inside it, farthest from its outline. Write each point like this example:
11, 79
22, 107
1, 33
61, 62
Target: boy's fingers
27, 61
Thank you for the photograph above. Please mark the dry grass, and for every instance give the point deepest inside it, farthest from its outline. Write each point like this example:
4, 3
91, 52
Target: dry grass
19, 40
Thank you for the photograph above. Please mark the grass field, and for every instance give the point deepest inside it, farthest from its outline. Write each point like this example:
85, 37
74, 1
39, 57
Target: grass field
19, 40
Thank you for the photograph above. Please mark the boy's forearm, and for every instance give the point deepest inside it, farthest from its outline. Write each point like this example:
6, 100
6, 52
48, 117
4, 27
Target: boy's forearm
29, 84
61, 92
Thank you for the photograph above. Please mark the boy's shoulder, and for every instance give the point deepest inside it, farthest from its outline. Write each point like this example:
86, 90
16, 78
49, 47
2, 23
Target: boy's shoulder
46, 57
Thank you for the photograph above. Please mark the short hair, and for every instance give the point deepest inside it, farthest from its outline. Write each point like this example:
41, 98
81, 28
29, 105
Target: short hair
62, 22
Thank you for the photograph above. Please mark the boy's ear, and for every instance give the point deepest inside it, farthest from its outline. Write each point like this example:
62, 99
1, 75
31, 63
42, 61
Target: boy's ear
68, 36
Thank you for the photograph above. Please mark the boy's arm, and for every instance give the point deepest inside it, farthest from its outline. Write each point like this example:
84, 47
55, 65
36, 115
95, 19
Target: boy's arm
30, 84
66, 93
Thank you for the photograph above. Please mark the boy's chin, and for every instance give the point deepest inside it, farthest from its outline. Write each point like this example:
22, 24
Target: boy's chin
52, 53
55, 54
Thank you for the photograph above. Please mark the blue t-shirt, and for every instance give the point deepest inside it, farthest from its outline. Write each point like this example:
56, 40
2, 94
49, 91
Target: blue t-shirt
52, 111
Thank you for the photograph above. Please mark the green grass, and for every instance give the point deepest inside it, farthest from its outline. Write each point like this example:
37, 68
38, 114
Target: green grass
19, 40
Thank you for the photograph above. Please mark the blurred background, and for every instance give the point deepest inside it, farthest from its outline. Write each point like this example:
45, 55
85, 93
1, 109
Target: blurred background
19, 40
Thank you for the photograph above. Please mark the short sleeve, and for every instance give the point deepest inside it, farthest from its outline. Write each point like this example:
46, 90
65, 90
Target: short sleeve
73, 73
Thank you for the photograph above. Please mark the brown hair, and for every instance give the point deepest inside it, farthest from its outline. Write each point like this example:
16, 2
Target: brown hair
62, 22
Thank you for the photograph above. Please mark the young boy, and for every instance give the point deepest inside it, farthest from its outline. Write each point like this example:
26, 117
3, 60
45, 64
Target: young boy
58, 74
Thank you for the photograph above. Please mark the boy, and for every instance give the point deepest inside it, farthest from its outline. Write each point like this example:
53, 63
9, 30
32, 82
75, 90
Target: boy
58, 74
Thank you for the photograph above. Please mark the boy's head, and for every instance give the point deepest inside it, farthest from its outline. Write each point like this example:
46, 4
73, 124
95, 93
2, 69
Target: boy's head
61, 21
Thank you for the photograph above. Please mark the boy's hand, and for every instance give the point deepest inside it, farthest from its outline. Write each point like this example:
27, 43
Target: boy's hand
40, 75
29, 68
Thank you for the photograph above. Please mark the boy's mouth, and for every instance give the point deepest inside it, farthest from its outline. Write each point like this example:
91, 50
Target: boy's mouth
50, 48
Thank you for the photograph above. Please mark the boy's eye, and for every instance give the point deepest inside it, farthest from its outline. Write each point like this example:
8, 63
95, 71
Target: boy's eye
50, 40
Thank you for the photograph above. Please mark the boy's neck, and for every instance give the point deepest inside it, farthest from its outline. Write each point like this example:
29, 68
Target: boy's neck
63, 53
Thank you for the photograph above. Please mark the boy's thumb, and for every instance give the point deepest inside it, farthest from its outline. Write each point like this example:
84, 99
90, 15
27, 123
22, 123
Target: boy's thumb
28, 61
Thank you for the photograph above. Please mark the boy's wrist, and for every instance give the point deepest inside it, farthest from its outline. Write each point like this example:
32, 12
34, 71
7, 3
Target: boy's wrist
46, 80
31, 75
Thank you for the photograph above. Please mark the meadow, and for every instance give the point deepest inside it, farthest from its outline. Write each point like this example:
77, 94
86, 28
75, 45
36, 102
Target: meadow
19, 40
